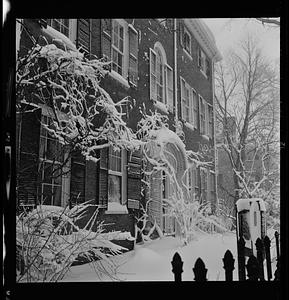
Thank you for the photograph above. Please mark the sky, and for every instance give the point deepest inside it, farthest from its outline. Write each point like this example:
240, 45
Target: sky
228, 32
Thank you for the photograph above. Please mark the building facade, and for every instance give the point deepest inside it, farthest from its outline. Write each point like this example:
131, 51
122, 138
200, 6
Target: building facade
166, 65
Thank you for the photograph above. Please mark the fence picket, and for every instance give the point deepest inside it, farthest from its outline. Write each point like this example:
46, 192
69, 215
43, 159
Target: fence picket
200, 270
267, 244
228, 261
177, 265
241, 259
259, 247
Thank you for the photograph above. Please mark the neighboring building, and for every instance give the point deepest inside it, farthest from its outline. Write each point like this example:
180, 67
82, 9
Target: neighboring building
168, 70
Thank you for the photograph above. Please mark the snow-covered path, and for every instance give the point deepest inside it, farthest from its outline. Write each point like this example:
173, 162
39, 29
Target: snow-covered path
152, 261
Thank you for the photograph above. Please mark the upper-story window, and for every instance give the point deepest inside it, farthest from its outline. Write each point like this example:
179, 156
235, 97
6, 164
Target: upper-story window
206, 118
203, 62
189, 103
65, 26
187, 41
61, 25
117, 47
161, 76
119, 43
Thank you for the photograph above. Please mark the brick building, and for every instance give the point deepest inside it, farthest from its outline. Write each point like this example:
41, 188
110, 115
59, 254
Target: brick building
166, 64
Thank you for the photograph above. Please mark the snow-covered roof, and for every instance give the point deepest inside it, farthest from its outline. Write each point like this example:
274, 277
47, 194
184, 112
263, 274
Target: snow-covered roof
205, 37
245, 204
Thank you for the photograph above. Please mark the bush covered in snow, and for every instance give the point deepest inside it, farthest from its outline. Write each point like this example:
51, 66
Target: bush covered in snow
48, 242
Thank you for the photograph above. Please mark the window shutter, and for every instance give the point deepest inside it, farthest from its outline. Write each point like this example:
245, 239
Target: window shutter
106, 27
133, 55
206, 119
103, 178
208, 67
181, 102
133, 179
153, 87
182, 33
77, 183
191, 117
27, 166
199, 57
200, 112
169, 87
83, 34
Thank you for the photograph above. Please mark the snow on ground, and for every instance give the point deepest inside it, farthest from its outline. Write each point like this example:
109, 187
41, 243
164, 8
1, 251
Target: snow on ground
152, 260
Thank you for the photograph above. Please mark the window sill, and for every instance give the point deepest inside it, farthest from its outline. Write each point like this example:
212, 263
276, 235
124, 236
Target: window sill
204, 136
119, 78
116, 209
190, 126
161, 106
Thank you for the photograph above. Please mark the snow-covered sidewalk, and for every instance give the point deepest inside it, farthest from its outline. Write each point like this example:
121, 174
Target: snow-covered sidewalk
152, 260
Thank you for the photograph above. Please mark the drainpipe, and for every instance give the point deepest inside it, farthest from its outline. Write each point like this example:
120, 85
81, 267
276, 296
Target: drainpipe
175, 71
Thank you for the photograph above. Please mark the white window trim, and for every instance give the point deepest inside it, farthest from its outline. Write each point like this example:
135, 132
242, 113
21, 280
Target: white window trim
191, 112
185, 50
123, 175
205, 133
122, 78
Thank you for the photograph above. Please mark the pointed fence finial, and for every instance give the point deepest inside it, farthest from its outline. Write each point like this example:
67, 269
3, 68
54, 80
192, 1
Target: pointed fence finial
228, 261
177, 265
200, 270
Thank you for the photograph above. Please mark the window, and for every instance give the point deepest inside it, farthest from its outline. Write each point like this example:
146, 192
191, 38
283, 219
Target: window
116, 177
186, 103
196, 174
161, 77
189, 103
65, 26
187, 41
203, 63
117, 47
119, 42
51, 163
61, 25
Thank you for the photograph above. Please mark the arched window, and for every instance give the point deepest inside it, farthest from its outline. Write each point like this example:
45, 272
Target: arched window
161, 76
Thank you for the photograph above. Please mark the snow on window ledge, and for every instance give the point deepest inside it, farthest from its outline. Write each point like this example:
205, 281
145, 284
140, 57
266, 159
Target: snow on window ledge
161, 106
189, 126
116, 208
119, 78
59, 37
205, 137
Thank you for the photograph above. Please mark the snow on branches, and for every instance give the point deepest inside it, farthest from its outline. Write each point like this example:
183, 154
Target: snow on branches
69, 85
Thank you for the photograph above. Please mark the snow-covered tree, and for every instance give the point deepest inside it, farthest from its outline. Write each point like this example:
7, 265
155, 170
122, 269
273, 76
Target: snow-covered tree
247, 96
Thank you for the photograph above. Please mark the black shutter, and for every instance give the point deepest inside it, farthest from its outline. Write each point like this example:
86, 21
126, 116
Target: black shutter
106, 27
103, 178
28, 163
134, 179
83, 34
77, 178
208, 67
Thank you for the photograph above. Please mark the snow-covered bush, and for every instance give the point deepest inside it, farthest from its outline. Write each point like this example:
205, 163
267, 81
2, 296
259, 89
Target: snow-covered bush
48, 242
